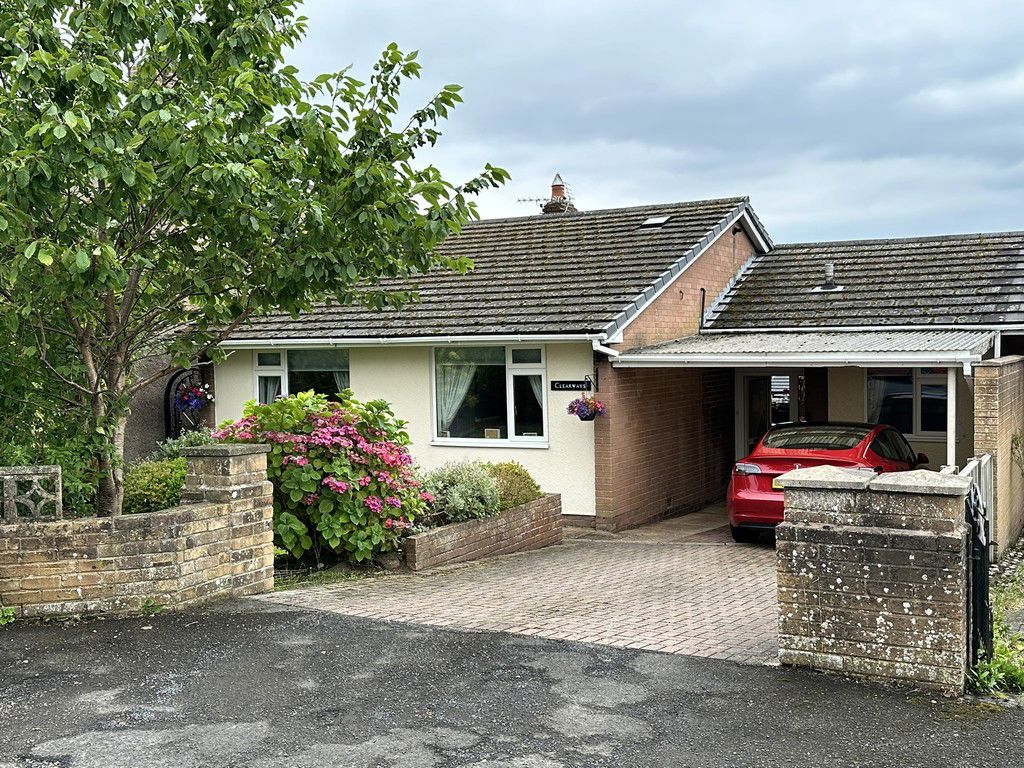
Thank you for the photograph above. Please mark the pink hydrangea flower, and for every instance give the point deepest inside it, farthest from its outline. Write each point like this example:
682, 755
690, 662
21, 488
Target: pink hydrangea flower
374, 503
336, 485
310, 498
365, 480
393, 501
427, 497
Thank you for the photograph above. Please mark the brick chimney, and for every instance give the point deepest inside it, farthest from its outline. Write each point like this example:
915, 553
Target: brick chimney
560, 201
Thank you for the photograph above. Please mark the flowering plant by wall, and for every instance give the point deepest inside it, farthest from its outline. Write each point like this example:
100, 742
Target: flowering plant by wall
342, 473
587, 408
193, 397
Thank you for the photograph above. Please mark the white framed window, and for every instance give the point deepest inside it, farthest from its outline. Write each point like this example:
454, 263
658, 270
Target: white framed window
281, 372
490, 395
269, 381
913, 400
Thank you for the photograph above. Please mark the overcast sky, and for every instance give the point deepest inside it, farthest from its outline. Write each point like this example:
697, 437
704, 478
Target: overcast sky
838, 119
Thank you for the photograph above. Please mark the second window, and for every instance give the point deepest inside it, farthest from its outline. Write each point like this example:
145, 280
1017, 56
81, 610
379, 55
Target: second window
489, 393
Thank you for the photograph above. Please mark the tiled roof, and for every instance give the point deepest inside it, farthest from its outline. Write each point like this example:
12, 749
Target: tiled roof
543, 274
776, 343
959, 279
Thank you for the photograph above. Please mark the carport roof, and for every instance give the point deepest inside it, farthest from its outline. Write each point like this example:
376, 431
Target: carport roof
816, 348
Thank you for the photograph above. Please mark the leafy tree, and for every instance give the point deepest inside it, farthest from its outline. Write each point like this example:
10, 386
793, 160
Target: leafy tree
164, 177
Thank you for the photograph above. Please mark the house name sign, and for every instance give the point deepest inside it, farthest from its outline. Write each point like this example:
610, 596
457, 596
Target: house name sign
571, 386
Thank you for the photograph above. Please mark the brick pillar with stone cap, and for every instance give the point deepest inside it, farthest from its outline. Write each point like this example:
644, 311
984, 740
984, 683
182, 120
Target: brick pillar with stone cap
225, 472
872, 576
233, 476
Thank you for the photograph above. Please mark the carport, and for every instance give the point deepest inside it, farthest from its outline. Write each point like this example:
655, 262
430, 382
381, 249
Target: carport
901, 377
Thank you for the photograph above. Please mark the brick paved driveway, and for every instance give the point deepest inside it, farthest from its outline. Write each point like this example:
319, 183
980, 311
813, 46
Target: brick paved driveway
681, 586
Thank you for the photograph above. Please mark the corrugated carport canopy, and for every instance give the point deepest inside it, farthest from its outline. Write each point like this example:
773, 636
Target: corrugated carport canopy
815, 348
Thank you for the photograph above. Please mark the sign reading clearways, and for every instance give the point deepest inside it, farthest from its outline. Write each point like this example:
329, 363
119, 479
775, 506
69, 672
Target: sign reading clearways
570, 386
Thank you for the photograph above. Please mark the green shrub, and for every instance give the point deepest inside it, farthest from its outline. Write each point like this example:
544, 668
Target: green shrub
461, 491
171, 447
6, 615
515, 484
1004, 672
153, 485
64, 443
342, 473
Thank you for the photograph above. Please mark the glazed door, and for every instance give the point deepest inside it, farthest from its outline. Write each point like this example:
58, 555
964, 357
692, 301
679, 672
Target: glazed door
764, 400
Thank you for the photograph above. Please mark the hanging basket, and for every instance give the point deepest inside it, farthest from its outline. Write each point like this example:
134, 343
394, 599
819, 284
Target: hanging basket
586, 408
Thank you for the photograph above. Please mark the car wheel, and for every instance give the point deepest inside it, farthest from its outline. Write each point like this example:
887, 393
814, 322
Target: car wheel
742, 535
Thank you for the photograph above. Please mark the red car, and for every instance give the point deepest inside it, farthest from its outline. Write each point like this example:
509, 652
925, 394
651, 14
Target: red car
754, 500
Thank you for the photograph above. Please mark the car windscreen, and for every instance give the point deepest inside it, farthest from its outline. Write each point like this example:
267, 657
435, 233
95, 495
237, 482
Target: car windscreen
816, 437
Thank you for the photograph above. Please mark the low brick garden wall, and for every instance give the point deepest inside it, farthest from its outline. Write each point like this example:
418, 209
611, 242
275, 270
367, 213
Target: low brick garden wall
218, 543
530, 526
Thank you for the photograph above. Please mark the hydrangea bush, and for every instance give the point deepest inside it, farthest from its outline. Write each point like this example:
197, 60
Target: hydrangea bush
342, 473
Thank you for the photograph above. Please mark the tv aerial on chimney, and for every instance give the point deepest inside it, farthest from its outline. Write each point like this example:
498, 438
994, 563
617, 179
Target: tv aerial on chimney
560, 200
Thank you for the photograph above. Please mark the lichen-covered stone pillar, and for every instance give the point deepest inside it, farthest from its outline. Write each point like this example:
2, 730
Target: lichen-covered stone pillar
872, 576
233, 479
226, 472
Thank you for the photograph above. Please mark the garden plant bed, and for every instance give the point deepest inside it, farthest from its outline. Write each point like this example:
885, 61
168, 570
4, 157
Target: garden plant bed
529, 526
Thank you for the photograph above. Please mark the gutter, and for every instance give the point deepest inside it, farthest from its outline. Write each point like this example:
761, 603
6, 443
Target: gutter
1015, 328
964, 358
613, 353
378, 341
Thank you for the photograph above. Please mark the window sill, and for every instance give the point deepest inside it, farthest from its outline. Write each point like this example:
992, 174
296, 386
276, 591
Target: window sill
931, 437
484, 443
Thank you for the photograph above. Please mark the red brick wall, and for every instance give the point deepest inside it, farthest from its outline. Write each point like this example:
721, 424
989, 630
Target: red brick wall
529, 526
665, 445
676, 312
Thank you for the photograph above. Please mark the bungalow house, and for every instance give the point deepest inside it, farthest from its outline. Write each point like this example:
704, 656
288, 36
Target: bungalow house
697, 332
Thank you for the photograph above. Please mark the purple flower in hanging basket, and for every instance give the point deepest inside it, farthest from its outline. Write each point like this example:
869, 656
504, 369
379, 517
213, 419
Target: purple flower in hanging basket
192, 397
586, 408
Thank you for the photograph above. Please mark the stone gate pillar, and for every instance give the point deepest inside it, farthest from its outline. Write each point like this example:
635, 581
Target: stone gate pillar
872, 576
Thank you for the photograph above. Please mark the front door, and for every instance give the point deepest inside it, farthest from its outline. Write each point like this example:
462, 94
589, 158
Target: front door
764, 400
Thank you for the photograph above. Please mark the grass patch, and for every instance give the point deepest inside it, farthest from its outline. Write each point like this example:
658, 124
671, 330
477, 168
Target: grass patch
335, 575
1004, 672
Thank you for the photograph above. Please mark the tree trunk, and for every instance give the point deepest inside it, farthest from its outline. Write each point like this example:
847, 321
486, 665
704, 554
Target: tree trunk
110, 493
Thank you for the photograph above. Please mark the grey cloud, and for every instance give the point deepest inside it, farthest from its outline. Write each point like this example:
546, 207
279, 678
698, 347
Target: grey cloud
839, 119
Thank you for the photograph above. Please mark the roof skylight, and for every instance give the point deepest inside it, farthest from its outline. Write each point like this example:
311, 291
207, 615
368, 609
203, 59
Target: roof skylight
654, 221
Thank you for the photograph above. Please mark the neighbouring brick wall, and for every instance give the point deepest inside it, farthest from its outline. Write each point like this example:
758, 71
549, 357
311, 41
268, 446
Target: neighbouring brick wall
676, 312
872, 576
221, 543
665, 445
530, 526
998, 420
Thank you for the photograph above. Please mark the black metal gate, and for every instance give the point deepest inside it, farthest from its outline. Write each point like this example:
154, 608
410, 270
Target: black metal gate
979, 608
176, 420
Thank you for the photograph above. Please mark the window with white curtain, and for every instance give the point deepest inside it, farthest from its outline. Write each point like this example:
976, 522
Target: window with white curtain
489, 393
269, 376
285, 372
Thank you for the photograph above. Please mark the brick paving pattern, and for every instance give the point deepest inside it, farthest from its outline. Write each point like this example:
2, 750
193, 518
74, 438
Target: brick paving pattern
674, 588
